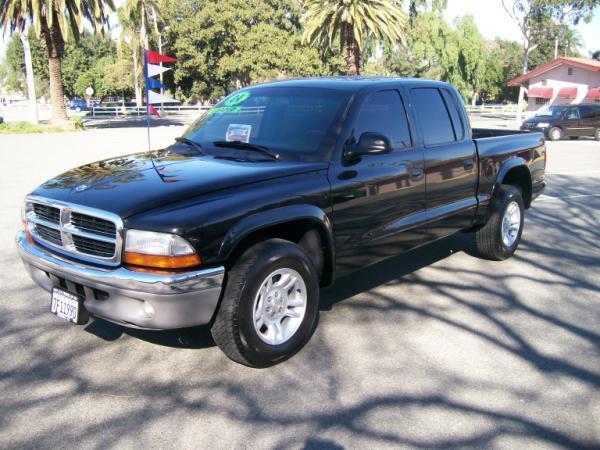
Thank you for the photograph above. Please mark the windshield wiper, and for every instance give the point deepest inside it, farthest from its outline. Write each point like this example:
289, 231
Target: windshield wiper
191, 143
247, 146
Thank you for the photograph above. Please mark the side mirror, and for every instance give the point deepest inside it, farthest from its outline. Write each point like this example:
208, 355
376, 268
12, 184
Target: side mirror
370, 144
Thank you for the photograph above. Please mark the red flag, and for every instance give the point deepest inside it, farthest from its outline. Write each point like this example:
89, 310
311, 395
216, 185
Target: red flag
153, 111
155, 58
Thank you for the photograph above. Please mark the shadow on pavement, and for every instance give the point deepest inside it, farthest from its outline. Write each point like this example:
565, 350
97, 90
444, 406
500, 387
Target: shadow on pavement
136, 122
525, 328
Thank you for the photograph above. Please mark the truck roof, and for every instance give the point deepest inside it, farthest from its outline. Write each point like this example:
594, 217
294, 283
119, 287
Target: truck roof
350, 83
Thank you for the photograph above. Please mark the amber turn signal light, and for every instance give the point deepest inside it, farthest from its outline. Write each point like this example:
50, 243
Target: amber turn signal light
162, 262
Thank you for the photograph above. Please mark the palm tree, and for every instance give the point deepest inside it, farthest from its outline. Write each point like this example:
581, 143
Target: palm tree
54, 21
352, 23
139, 20
572, 42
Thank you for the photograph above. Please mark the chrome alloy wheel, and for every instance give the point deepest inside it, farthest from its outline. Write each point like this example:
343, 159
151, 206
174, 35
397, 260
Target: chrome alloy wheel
511, 223
555, 134
279, 306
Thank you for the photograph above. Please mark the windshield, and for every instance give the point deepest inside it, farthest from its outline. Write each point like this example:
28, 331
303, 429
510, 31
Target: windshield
291, 122
551, 111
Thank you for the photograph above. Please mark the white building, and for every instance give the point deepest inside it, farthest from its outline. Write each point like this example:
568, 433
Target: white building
562, 81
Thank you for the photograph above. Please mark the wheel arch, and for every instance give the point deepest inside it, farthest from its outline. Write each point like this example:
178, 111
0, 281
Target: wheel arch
300, 224
514, 172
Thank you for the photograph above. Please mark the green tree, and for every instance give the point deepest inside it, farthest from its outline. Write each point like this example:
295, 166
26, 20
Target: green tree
503, 63
139, 22
350, 24
469, 73
15, 65
222, 46
54, 21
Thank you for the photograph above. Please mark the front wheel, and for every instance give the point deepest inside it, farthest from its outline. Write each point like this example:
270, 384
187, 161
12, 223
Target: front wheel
269, 306
555, 134
500, 236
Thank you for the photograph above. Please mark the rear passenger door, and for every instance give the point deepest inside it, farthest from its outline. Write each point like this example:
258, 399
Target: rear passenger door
589, 121
450, 161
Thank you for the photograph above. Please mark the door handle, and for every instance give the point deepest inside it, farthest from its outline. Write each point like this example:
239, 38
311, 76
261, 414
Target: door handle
468, 164
416, 174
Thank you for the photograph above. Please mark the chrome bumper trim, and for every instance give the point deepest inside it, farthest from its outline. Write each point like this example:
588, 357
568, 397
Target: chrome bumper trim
135, 299
120, 277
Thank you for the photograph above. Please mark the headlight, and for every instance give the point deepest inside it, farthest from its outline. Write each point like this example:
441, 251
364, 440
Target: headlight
159, 250
543, 125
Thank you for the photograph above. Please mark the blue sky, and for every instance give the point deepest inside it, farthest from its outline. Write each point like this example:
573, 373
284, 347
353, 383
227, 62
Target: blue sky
492, 21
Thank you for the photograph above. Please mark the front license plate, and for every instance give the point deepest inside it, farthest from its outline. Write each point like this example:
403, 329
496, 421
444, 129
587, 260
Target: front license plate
65, 305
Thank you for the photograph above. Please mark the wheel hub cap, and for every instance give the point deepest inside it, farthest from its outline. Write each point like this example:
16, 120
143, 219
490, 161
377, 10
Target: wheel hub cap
279, 306
511, 224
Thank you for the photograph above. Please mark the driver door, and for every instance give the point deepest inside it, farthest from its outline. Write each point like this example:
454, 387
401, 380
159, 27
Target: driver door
571, 122
378, 199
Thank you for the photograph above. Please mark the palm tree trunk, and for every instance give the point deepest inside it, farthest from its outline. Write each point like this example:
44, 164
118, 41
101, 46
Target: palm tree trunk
55, 46
352, 51
57, 96
33, 113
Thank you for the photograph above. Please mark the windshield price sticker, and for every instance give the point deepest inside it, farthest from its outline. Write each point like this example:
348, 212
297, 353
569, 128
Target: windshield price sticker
238, 132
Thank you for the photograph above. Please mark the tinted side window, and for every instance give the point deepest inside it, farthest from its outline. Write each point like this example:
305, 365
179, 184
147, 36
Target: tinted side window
457, 123
587, 111
383, 112
433, 116
572, 113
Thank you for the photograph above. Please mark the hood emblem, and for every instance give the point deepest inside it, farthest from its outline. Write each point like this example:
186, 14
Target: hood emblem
82, 187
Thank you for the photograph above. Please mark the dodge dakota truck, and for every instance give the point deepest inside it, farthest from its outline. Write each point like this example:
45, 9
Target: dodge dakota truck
271, 194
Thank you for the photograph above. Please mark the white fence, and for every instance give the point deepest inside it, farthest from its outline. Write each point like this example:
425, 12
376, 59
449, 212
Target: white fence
492, 109
120, 111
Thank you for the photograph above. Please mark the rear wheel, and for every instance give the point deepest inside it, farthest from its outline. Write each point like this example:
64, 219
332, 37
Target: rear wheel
597, 134
500, 236
269, 306
555, 134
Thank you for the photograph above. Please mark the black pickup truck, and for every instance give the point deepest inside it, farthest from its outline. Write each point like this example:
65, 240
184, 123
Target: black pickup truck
274, 192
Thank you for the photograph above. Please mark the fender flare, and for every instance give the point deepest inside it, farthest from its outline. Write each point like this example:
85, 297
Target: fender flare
507, 165
277, 216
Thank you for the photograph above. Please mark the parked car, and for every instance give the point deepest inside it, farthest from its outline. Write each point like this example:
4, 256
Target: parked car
279, 189
81, 104
571, 121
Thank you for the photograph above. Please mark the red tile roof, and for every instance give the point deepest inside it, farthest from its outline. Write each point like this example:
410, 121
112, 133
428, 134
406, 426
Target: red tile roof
584, 63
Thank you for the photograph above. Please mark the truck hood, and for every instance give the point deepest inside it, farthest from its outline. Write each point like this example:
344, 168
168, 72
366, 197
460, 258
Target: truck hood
131, 184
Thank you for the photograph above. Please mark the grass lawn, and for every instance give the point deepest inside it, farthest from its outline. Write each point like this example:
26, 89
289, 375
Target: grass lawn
28, 128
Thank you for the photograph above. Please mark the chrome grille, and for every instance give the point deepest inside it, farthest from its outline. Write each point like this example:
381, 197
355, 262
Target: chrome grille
47, 212
93, 247
85, 233
49, 234
93, 224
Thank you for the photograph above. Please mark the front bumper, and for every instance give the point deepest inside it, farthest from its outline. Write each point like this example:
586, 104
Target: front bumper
130, 298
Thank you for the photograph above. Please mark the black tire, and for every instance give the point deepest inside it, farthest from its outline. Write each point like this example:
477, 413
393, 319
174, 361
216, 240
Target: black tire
573, 138
555, 134
489, 238
233, 328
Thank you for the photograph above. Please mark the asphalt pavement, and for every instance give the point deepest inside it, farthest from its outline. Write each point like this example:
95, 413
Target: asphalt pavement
434, 348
